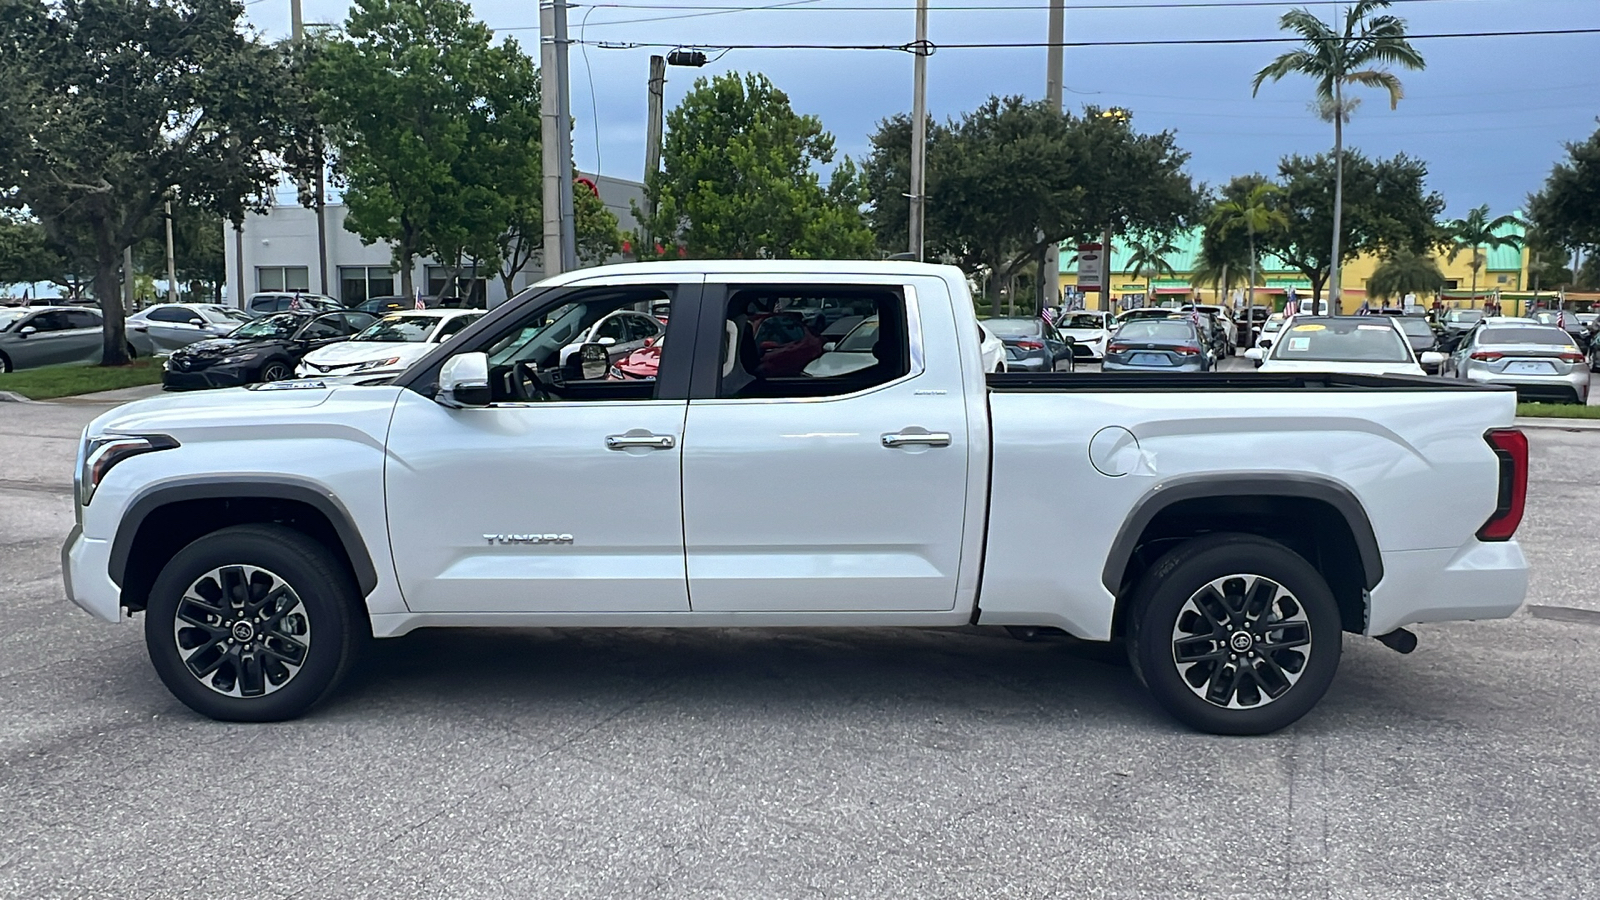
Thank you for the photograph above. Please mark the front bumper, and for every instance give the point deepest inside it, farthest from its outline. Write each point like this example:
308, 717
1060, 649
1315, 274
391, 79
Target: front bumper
1479, 580
85, 569
1572, 386
212, 377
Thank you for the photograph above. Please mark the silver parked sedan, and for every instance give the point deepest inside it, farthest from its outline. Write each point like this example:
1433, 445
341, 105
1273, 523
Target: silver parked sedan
1541, 361
47, 336
164, 328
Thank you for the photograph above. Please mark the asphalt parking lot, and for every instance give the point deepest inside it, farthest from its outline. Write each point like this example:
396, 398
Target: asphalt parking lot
796, 763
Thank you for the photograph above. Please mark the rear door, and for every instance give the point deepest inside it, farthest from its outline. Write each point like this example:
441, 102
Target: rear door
85, 335
172, 327
843, 491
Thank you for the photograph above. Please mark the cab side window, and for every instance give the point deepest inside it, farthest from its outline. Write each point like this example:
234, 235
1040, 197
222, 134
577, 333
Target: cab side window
775, 344
541, 356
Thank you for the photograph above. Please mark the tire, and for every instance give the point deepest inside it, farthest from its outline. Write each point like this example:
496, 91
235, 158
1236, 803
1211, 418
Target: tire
323, 620
132, 353
1176, 603
276, 370
5, 364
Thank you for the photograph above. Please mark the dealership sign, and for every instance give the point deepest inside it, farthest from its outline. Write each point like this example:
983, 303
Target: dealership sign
1091, 268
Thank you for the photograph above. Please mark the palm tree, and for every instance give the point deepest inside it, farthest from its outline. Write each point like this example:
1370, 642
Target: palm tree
1404, 272
1477, 231
1332, 59
1257, 214
1147, 259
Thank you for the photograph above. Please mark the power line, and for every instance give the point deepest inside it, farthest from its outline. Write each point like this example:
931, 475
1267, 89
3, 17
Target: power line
1030, 45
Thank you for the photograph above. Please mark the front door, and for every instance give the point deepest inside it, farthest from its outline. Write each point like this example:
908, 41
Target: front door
822, 476
562, 496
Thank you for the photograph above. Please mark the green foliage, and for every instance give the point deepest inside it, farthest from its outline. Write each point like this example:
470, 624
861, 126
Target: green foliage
25, 252
1403, 272
199, 252
737, 179
1333, 57
1566, 211
436, 130
50, 382
1476, 232
1387, 208
107, 106
1147, 258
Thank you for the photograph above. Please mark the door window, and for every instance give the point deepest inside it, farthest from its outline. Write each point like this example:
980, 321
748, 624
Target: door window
172, 314
82, 318
454, 325
324, 327
773, 345
352, 322
534, 359
54, 320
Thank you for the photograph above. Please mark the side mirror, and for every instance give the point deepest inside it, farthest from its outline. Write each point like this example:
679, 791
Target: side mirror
1254, 353
606, 341
464, 381
1431, 358
26, 330
830, 346
197, 321
593, 360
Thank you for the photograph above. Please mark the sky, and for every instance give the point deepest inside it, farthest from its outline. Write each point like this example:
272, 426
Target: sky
1489, 114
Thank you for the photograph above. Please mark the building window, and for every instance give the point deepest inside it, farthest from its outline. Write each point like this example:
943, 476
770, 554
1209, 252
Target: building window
359, 283
283, 278
1502, 279
469, 286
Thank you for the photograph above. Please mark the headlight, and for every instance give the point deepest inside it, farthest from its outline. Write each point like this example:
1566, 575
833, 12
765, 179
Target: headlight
96, 456
238, 358
377, 364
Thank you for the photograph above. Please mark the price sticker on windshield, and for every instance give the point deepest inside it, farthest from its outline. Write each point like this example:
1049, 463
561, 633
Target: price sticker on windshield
1299, 343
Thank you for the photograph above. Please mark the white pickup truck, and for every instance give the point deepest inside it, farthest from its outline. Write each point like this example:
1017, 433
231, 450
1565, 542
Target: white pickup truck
744, 471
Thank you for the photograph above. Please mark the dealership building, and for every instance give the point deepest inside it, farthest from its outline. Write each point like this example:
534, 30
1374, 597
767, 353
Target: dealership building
277, 250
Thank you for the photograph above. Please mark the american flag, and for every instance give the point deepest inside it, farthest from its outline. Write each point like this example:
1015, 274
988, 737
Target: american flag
1048, 314
294, 304
417, 293
1561, 319
1364, 309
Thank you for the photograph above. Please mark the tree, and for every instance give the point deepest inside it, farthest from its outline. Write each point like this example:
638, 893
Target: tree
198, 252
435, 130
1566, 211
1147, 259
1387, 208
25, 253
108, 107
1334, 60
1255, 213
1403, 272
737, 179
1478, 231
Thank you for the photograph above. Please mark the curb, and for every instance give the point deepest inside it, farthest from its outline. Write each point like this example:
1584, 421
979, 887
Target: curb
14, 397
1555, 424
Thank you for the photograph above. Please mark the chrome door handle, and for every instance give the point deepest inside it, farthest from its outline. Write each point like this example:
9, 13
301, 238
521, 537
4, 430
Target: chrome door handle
648, 441
903, 439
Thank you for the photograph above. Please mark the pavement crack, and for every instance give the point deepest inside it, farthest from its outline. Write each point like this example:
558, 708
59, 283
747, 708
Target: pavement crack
1565, 614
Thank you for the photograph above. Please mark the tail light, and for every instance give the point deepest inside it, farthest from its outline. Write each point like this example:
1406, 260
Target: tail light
1573, 356
1186, 350
1487, 356
1031, 345
1511, 447
1117, 348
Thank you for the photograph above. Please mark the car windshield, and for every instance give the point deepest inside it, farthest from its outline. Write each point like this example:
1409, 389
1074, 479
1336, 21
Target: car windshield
1342, 340
1136, 314
1416, 327
1463, 316
269, 328
399, 329
8, 317
1271, 325
1005, 328
225, 315
1554, 337
1081, 320
862, 339
1157, 330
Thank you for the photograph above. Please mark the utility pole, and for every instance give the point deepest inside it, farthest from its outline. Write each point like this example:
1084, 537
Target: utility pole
1050, 268
919, 131
560, 246
297, 31
172, 266
652, 144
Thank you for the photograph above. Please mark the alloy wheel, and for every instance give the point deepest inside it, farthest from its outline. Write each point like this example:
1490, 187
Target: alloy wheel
242, 631
275, 372
1241, 641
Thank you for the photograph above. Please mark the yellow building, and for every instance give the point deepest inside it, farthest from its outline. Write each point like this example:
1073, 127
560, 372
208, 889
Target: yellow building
1502, 277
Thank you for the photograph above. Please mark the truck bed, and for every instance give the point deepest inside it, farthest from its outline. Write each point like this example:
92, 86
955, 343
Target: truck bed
1123, 382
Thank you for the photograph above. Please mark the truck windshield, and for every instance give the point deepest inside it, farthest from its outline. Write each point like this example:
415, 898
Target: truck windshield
1342, 340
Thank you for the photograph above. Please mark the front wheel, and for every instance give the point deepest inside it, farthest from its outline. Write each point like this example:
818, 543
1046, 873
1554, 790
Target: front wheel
276, 370
1234, 634
254, 623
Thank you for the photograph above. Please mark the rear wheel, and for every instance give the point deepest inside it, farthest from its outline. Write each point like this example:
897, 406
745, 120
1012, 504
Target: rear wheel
5, 364
1234, 634
275, 370
254, 623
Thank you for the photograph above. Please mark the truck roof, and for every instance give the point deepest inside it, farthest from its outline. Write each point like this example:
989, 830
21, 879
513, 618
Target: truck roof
762, 267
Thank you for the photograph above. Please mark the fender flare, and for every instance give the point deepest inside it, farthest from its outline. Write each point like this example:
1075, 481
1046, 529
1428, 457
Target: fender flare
281, 487
1309, 487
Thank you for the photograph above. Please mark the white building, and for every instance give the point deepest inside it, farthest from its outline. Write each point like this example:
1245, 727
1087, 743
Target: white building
277, 250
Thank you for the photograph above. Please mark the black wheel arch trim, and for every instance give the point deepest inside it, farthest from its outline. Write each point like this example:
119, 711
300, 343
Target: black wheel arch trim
1177, 490
234, 487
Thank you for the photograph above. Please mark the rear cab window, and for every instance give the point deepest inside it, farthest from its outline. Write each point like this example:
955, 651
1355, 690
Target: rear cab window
773, 343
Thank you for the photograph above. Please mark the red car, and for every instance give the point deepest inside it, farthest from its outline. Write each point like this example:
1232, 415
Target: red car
786, 346
641, 364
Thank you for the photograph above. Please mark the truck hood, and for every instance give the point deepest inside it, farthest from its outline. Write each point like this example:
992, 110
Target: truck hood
174, 414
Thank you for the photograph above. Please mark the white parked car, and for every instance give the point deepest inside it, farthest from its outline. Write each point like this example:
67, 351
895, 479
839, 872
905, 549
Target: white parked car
1224, 318
1089, 330
994, 350
161, 329
1350, 345
620, 332
387, 346
1241, 528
